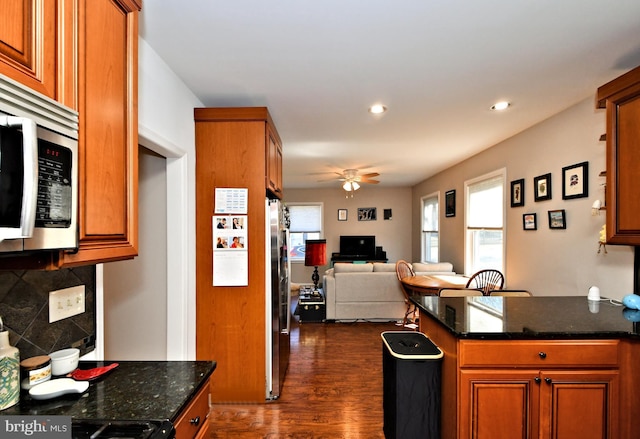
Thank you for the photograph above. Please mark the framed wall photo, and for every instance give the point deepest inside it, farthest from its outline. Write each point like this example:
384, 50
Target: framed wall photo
342, 214
529, 221
367, 214
517, 193
542, 187
575, 181
450, 203
557, 219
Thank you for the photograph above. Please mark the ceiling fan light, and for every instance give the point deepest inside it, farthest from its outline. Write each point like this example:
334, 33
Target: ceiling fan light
355, 186
347, 186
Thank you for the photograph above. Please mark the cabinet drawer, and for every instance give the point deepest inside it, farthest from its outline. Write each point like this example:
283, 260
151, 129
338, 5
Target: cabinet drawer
591, 353
194, 419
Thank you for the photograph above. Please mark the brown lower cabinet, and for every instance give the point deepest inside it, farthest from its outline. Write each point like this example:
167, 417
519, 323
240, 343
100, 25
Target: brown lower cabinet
531, 403
535, 388
193, 422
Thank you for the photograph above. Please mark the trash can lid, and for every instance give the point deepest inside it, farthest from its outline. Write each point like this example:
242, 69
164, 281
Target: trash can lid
410, 345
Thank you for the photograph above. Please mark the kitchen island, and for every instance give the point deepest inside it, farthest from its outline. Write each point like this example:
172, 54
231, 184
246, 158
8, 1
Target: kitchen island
136, 390
535, 367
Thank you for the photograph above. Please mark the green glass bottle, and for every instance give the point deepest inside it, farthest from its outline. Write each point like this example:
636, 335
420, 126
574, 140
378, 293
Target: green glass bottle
9, 371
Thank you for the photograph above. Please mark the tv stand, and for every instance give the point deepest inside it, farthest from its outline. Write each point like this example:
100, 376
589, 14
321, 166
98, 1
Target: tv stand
336, 257
354, 249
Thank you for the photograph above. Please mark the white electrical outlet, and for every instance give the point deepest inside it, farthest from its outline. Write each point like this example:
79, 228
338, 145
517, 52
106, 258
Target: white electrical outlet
66, 303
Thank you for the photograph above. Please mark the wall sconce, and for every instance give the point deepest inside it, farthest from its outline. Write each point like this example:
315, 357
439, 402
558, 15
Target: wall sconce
315, 254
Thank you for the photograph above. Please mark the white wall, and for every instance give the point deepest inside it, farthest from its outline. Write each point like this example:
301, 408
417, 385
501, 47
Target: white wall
166, 127
547, 262
136, 301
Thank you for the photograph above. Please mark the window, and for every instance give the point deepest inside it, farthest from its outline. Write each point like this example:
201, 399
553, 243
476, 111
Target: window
484, 216
306, 223
430, 236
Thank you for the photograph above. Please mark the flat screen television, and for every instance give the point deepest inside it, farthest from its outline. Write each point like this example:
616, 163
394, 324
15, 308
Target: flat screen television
358, 247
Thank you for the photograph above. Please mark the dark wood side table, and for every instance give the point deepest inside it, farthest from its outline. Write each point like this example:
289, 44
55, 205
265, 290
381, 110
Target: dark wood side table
312, 306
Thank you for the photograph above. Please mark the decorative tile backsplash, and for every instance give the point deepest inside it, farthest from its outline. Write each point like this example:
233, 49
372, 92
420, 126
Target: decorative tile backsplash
24, 308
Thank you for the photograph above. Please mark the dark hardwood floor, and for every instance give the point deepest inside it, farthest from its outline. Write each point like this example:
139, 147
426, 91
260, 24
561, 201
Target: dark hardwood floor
333, 388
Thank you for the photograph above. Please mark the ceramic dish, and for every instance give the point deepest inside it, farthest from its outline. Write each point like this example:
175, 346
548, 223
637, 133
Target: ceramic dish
58, 387
64, 361
91, 374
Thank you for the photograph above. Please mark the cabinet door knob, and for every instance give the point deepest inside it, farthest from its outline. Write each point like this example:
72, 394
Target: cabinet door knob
547, 380
195, 421
537, 380
542, 355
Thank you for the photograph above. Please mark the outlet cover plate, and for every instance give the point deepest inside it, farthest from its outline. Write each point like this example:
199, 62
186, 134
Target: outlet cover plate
66, 303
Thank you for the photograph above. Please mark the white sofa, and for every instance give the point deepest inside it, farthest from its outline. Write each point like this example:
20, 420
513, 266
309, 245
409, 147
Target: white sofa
370, 291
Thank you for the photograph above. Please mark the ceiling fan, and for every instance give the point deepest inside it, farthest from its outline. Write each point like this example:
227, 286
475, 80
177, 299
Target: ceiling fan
352, 180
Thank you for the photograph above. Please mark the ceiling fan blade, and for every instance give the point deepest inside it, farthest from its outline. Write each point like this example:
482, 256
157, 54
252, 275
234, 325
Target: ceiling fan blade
369, 175
369, 181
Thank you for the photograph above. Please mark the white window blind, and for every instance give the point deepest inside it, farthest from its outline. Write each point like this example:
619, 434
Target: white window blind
430, 214
485, 204
484, 217
305, 218
306, 223
430, 238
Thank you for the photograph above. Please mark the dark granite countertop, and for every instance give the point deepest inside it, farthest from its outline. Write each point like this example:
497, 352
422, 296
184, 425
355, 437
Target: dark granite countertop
135, 390
538, 317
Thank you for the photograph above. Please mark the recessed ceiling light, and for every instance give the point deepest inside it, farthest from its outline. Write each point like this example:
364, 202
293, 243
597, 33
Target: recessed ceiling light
499, 106
377, 109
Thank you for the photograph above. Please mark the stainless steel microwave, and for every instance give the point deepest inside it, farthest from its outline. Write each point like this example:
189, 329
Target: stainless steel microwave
38, 171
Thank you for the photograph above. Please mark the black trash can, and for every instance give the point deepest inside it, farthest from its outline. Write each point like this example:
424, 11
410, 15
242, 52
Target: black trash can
411, 369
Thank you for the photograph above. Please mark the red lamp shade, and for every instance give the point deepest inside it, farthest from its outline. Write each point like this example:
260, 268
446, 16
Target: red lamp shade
315, 252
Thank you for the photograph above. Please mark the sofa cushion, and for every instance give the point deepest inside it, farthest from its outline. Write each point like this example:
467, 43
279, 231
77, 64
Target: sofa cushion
367, 288
440, 266
384, 267
342, 267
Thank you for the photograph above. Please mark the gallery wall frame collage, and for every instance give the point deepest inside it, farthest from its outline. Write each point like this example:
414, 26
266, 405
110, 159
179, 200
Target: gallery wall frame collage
575, 184
364, 214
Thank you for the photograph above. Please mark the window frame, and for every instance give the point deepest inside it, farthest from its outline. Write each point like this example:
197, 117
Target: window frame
469, 261
423, 250
300, 259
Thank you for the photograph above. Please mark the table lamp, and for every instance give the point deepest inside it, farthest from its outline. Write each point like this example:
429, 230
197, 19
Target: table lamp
315, 254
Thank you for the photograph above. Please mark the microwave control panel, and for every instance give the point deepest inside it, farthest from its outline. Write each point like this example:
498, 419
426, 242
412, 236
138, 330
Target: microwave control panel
54, 185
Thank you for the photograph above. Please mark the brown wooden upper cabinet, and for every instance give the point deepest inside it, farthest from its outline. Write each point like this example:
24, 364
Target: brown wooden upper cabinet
102, 87
274, 162
621, 98
108, 135
37, 46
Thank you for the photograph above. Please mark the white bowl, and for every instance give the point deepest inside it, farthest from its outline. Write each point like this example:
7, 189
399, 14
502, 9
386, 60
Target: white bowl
64, 361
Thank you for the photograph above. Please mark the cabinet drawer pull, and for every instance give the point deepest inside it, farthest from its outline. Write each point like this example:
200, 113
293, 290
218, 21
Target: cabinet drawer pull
195, 421
547, 380
542, 355
537, 380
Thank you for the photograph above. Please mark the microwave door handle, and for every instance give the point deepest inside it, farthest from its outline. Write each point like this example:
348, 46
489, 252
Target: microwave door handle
30, 184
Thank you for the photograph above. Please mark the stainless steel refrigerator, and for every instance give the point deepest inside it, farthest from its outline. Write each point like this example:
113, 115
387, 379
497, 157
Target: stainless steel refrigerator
278, 297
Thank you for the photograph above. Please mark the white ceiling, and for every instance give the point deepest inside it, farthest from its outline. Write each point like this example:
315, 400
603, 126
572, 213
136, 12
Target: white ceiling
438, 65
